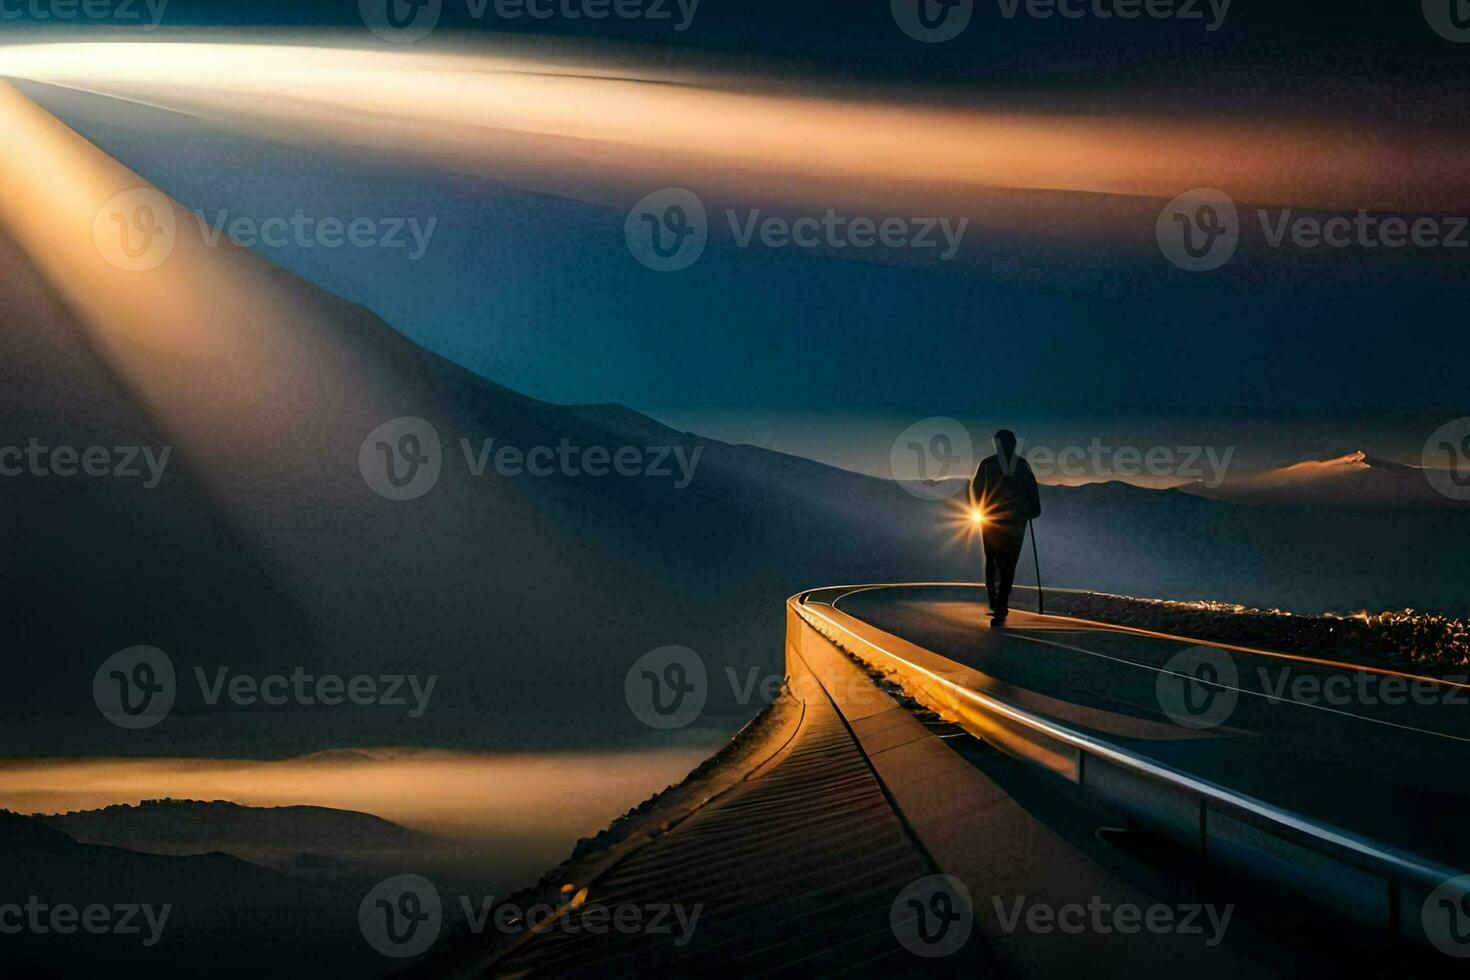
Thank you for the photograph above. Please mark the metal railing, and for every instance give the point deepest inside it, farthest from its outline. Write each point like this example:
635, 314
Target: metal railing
1367, 881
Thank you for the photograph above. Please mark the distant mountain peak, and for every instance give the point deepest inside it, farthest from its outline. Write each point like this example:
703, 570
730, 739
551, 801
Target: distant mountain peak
1318, 468
1338, 466
1353, 479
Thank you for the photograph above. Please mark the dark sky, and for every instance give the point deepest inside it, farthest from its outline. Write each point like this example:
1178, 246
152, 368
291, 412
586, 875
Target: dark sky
1291, 354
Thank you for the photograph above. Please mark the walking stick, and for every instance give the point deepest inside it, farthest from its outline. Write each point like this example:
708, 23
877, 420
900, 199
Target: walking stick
1035, 557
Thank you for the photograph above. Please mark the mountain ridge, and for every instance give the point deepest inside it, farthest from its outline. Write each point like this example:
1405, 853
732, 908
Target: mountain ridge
1352, 480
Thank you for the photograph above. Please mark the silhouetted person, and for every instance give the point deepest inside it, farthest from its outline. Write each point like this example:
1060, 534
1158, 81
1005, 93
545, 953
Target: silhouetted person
1004, 490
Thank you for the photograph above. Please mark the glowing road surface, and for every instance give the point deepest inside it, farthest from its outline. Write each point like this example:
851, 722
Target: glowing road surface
1373, 752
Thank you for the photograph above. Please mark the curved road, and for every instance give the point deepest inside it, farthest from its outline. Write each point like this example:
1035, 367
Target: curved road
1374, 752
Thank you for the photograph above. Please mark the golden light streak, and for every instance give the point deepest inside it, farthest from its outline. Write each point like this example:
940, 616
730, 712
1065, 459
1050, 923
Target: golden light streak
246, 371
53, 186
567, 128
